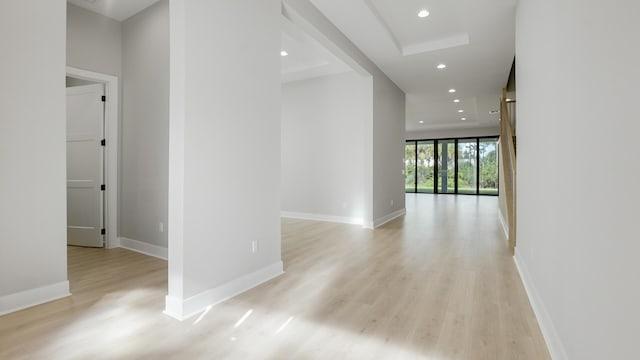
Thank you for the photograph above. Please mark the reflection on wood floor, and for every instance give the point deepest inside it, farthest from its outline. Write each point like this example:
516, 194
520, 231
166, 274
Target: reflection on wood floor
436, 284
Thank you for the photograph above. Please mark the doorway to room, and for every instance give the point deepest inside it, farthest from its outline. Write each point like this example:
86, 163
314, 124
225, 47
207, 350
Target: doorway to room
92, 155
85, 163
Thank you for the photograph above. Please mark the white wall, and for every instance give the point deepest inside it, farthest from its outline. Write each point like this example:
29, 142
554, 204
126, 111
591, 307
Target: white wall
94, 42
452, 133
388, 149
323, 147
224, 185
578, 168
385, 139
145, 125
32, 153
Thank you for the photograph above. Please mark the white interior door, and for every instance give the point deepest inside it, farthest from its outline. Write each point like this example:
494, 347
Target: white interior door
85, 158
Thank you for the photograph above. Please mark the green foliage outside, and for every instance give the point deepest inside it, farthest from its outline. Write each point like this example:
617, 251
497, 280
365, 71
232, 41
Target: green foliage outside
466, 167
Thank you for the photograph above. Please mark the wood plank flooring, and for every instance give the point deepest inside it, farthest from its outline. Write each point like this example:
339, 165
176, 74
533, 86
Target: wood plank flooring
437, 284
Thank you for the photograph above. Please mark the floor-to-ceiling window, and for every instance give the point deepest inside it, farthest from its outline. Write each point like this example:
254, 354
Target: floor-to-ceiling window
410, 167
452, 166
426, 166
488, 155
467, 166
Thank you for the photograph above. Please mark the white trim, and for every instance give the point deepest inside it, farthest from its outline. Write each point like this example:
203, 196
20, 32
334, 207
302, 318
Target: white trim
385, 219
111, 159
321, 217
505, 228
184, 309
28, 298
549, 332
143, 248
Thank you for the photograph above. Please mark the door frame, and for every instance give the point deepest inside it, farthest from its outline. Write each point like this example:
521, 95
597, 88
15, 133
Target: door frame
111, 151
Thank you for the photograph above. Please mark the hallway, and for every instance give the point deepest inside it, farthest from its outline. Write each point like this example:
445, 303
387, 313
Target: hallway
436, 284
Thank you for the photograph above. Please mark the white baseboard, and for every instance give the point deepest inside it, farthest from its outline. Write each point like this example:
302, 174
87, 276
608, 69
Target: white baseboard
184, 309
144, 248
321, 217
385, 219
28, 298
505, 228
551, 338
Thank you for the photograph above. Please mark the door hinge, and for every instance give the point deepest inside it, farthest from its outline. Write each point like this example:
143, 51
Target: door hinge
103, 142
103, 231
103, 98
103, 187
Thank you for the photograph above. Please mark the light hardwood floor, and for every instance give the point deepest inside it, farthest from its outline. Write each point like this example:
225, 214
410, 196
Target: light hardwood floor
436, 284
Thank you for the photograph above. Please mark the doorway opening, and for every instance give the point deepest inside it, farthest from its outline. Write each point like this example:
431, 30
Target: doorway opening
109, 168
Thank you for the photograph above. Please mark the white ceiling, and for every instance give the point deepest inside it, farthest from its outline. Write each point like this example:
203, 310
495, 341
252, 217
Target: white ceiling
119, 10
474, 38
307, 58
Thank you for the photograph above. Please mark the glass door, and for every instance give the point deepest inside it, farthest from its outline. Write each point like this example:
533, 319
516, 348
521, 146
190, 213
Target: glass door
426, 166
410, 167
446, 166
467, 166
488, 166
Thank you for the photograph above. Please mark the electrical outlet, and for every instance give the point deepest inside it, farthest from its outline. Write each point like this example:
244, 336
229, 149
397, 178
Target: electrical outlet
254, 246
161, 227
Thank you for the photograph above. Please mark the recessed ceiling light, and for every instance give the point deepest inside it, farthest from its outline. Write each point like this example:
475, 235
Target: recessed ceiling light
283, 53
421, 122
456, 100
452, 90
443, 66
423, 13
461, 111
463, 119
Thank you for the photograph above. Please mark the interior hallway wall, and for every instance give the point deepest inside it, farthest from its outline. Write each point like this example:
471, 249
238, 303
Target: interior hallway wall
33, 226
145, 126
385, 135
224, 150
323, 147
577, 72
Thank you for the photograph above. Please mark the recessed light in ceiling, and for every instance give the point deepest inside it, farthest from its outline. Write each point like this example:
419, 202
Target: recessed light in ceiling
283, 53
443, 66
423, 13
452, 90
463, 119
456, 100
461, 111
421, 122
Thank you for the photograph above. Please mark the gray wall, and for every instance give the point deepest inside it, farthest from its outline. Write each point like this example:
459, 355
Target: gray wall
388, 147
578, 168
94, 42
145, 125
386, 134
323, 121
32, 153
224, 149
